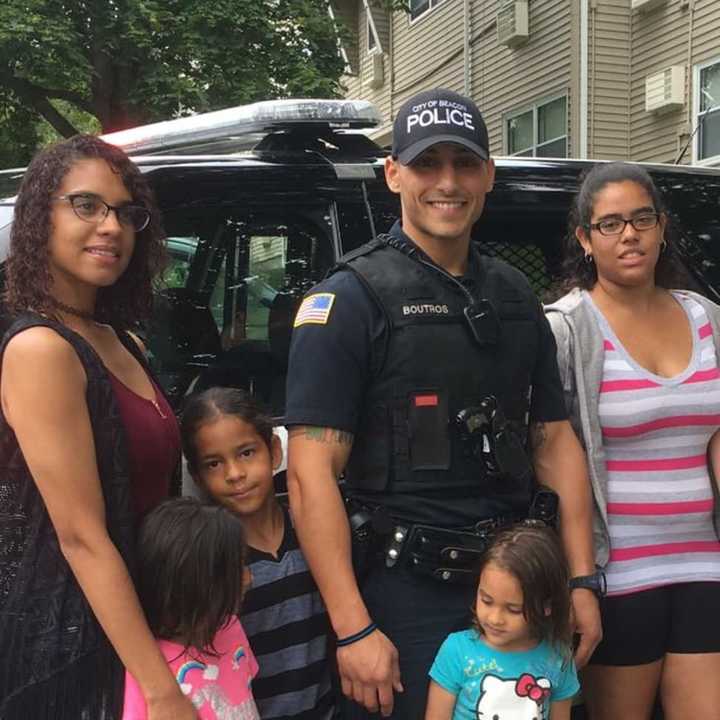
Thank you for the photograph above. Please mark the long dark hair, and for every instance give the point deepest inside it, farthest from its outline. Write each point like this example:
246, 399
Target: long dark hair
122, 304
213, 403
579, 273
190, 579
533, 556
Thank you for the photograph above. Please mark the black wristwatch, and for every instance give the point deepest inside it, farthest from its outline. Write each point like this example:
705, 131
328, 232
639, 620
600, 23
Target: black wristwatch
595, 582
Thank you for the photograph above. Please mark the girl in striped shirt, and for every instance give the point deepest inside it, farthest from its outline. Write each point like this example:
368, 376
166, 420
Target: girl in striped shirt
640, 369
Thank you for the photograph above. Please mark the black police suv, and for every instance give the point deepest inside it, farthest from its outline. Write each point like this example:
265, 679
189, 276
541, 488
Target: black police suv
259, 202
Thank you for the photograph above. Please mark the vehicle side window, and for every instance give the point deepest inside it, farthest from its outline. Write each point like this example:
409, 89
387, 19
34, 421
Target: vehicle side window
217, 297
271, 261
225, 312
181, 251
256, 286
182, 334
530, 259
527, 230
268, 258
693, 230
355, 228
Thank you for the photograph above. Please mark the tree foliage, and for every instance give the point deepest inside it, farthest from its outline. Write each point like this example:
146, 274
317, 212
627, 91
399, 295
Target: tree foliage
393, 5
129, 62
18, 134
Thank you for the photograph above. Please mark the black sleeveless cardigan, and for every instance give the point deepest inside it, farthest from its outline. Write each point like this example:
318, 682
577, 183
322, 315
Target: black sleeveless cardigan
56, 661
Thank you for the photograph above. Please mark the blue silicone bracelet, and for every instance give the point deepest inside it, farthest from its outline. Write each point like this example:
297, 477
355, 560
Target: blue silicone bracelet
350, 639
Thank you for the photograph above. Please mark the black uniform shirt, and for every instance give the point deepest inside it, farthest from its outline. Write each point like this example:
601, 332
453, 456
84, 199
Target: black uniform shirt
330, 364
333, 357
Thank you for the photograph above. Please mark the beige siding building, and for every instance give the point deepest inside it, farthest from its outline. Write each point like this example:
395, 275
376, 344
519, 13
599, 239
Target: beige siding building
609, 79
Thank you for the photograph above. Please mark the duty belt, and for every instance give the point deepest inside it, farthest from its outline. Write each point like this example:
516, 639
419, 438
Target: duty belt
450, 556
447, 555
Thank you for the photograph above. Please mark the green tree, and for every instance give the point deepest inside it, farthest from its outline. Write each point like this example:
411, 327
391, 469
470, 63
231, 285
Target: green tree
18, 133
393, 5
129, 62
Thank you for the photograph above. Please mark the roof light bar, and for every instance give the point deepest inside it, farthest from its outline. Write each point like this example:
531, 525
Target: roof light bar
248, 123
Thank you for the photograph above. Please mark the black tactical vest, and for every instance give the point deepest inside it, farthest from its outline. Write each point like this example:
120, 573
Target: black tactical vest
432, 368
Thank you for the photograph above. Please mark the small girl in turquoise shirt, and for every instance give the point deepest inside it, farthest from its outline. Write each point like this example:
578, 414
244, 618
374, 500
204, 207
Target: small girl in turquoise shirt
516, 662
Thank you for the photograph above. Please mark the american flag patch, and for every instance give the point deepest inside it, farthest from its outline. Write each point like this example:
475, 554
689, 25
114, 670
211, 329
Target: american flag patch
315, 309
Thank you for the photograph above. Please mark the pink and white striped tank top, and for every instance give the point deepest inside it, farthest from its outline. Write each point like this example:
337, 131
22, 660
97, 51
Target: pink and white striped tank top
655, 435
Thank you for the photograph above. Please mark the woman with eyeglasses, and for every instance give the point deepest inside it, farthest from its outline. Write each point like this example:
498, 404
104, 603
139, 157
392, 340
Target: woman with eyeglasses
639, 363
88, 443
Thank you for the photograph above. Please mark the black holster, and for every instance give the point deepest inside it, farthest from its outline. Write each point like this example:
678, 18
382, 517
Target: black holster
545, 507
370, 528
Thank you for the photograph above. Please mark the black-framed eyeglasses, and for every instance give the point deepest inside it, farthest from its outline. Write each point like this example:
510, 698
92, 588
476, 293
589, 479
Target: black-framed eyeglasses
92, 209
615, 226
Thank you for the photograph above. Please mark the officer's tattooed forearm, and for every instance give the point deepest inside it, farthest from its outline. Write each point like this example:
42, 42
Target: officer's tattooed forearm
538, 436
323, 434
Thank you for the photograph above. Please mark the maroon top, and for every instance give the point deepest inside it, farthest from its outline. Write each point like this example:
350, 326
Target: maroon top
153, 444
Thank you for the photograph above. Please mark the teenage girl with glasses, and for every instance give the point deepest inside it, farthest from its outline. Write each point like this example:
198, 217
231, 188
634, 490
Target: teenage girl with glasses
88, 443
639, 363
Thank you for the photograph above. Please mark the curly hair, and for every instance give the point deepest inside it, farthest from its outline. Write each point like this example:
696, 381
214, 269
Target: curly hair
577, 272
127, 301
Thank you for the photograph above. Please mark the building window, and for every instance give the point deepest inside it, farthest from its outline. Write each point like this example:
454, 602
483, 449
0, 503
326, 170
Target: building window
708, 111
539, 130
420, 7
372, 41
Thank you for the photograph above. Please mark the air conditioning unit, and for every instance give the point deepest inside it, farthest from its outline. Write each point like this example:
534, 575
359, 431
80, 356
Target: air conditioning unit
646, 5
377, 71
512, 23
665, 91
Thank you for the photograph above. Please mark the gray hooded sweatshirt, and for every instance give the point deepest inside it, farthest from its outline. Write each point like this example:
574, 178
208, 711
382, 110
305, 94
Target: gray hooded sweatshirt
580, 356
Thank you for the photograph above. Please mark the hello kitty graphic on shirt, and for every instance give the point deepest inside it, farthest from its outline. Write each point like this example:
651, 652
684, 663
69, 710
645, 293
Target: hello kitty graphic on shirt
523, 698
493, 685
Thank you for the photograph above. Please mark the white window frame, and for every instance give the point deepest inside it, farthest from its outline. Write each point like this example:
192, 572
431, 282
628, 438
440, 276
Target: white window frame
697, 70
341, 48
534, 106
431, 6
371, 32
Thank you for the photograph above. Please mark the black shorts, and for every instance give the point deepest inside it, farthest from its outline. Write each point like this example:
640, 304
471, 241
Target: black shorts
640, 628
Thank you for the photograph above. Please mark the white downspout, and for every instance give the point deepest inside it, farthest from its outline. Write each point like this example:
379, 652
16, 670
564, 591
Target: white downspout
584, 54
467, 60
695, 150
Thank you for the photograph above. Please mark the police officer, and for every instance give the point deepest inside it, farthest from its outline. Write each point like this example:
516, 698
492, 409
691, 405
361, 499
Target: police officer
409, 331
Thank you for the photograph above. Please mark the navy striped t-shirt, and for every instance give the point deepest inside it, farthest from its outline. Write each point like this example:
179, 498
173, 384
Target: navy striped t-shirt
287, 627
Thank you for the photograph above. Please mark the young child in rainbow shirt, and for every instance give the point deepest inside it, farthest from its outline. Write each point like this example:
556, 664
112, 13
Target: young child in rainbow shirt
190, 584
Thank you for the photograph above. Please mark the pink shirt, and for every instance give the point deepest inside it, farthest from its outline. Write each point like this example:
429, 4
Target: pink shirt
655, 438
219, 687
